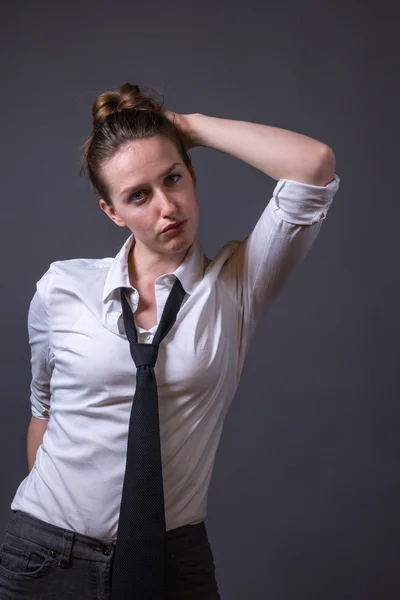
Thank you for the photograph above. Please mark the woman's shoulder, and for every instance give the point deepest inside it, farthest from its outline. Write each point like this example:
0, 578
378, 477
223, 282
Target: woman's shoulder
74, 271
72, 265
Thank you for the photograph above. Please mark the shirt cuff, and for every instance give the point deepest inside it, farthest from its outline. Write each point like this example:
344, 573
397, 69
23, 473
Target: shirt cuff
303, 203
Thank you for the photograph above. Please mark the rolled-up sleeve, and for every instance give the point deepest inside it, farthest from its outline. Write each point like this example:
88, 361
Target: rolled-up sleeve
38, 330
280, 240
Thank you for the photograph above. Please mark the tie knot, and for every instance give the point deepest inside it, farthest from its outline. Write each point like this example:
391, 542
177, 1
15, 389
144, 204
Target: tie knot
144, 354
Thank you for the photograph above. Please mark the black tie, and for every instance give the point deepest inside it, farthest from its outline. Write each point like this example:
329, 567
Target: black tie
138, 571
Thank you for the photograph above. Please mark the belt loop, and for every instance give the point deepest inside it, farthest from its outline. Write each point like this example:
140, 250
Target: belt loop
68, 539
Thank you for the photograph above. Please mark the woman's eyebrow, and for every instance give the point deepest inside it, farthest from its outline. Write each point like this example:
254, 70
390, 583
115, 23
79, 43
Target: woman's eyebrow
132, 188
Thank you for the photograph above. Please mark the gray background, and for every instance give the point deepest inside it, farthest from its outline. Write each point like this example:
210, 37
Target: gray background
304, 501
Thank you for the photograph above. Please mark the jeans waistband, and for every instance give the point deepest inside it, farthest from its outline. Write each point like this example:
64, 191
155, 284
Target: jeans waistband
69, 543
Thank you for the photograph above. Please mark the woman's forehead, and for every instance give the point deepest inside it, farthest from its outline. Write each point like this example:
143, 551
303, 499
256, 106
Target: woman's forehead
138, 165
142, 156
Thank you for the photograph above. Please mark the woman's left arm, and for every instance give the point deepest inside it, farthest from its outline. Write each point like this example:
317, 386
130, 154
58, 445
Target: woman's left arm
304, 168
279, 153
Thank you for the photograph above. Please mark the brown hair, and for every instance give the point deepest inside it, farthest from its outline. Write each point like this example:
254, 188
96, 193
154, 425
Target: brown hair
120, 116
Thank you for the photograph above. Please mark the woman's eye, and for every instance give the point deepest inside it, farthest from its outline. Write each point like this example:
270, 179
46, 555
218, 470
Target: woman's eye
175, 175
134, 195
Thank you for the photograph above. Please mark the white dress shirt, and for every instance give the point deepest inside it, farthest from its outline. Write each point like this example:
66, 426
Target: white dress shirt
83, 376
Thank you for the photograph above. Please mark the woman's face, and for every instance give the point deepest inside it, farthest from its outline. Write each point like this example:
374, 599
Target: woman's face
146, 200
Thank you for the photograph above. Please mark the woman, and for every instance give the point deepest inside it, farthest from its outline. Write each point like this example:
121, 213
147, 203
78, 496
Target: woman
90, 317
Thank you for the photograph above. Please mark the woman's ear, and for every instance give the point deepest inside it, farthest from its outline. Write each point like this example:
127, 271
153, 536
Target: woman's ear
110, 212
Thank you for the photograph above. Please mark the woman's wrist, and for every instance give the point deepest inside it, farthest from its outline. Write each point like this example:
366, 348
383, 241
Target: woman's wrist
194, 129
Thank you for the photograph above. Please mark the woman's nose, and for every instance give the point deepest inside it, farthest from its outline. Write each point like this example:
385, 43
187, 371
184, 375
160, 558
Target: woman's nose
167, 201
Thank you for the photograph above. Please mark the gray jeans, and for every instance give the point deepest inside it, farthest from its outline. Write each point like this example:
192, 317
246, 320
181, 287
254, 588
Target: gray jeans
39, 560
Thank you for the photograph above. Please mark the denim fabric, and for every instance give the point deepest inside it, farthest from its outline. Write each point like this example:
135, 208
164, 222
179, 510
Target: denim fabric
40, 561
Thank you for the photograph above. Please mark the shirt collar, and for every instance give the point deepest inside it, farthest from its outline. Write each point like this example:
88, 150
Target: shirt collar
190, 272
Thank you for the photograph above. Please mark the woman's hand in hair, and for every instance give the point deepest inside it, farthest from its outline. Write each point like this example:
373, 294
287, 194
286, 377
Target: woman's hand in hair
185, 125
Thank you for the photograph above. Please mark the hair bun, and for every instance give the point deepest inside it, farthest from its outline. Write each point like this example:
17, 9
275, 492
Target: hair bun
127, 97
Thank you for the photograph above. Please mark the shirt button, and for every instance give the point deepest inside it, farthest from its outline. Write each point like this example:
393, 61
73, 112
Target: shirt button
147, 336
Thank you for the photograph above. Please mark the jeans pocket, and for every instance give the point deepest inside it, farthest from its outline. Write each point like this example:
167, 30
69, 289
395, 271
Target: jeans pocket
24, 558
195, 562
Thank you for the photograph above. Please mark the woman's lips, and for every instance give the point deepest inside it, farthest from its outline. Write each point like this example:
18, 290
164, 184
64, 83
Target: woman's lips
176, 229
